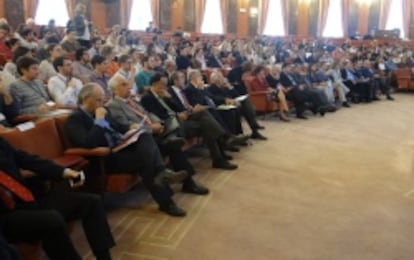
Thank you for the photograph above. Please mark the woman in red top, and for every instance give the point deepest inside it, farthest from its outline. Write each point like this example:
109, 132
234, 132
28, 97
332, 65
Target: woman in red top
259, 83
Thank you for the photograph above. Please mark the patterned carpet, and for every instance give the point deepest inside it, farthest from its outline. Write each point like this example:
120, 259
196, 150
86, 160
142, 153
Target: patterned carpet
339, 187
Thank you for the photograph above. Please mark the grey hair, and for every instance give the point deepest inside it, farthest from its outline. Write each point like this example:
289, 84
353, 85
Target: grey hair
113, 82
193, 74
86, 91
215, 76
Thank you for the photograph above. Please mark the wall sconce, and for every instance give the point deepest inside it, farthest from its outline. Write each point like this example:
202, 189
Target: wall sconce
243, 10
253, 11
304, 1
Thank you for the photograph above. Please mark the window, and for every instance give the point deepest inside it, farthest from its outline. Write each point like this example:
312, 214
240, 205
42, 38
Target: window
141, 15
52, 9
274, 22
212, 20
395, 17
333, 27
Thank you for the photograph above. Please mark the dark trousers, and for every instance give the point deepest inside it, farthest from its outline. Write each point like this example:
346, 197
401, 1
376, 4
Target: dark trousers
248, 112
231, 118
143, 157
7, 252
45, 220
299, 98
360, 91
204, 124
317, 98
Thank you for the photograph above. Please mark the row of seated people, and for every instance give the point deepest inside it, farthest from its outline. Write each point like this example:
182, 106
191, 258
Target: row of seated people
162, 121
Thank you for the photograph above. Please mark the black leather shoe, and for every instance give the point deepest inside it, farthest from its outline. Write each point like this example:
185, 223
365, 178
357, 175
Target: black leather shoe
390, 98
231, 148
236, 140
195, 188
260, 127
322, 111
346, 104
258, 136
225, 165
301, 117
168, 176
173, 143
227, 157
173, 210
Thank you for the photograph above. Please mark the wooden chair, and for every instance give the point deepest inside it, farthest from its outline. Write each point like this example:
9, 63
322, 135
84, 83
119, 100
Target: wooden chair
405, 78
105, 181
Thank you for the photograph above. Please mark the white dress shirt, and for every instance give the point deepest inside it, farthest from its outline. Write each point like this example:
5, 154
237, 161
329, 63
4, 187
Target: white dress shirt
64, 91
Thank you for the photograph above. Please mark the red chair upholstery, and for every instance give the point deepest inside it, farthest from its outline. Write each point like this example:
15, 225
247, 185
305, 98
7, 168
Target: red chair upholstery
107, 181
405, 78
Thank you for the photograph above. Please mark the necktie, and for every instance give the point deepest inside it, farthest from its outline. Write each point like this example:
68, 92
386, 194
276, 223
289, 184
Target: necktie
184, 99
138, 111
15, 187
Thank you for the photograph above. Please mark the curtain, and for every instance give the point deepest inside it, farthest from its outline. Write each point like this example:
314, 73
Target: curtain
263, 12
384, 11
323, 16
345, 16
224, 10
70, 5
285, 14
407, 5
30, 8
155, 9
363, 19
200, 7
125, 7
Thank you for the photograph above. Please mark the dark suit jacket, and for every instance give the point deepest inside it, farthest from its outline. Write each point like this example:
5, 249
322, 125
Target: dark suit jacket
151, 104
285, 81
176, 100
83, 132
195, 96
182, 62
212, 62
79, 25
12, 160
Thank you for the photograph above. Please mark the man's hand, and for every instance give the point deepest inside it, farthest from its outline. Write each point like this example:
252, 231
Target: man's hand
198, 108
157, 128
182, 116
100, 113
75, 178
43, 108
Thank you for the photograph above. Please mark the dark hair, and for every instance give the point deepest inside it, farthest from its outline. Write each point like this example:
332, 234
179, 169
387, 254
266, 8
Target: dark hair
123, 58
79, 53
11, 42
58, 62
156, 78
97, 59
258, 69
145, 59
5, 26
26, 32
50, 47
20, 52
23, 63
174, 77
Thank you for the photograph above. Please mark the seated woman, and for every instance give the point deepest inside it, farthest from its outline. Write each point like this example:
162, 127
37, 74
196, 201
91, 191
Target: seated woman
260, 83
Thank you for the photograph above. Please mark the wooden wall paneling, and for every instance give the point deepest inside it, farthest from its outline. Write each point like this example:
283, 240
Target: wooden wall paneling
373, 17
189, 16
363, 19
2, 8
243, 17
253, 19
303, 18
232, 16
113, 14
177, 17
292, 17
165, 15
353, 18
15, 12
313, 18
98, 14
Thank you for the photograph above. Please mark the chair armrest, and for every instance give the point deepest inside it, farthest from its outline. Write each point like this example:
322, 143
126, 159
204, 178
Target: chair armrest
95, 152
259, 93
24, 118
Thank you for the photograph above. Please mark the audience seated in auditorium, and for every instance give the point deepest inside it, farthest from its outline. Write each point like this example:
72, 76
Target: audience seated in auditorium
91, 126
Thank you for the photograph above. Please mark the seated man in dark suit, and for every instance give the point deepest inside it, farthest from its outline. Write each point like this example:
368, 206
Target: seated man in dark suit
197, 95
192, 121
127, 114
221, 89
360, 88
378, 81
89, 126
213, 59
29, 213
